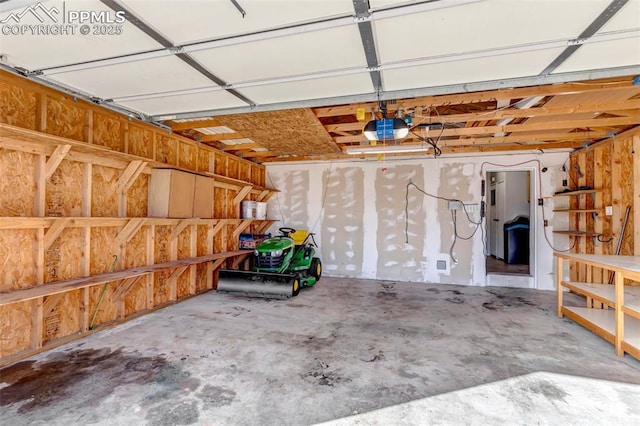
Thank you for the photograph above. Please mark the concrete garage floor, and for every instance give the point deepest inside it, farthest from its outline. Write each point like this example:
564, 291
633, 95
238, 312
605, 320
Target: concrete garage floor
415, 353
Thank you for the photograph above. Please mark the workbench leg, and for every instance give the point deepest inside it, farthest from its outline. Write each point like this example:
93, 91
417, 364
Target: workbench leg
559, 265
619, 301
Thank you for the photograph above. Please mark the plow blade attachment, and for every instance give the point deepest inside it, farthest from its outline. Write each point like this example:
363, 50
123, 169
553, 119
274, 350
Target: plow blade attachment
256, 284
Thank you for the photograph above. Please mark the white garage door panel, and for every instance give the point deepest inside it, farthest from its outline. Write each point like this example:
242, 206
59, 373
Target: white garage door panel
310, 89
286, 56
188, 21
483, 25
616, 53
185, 103
134, 78
472, 70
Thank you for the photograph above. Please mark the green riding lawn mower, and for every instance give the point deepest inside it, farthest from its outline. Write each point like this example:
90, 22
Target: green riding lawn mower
281, 266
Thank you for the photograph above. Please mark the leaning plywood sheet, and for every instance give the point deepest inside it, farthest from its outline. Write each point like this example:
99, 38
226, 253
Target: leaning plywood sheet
17, 105
17, 183
292, 132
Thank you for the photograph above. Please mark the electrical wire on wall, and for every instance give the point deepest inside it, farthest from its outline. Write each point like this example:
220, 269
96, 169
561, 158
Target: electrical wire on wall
539, 170
454, 221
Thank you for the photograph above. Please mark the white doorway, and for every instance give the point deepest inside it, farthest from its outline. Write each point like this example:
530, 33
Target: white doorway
509, 230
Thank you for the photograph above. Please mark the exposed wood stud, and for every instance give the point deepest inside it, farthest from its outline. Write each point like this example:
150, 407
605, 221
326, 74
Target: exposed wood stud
54, 231
242, 194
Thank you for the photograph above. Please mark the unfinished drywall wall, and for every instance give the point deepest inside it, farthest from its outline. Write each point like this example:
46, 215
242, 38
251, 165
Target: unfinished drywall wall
381, 199
291, 205
399, 256
342, 221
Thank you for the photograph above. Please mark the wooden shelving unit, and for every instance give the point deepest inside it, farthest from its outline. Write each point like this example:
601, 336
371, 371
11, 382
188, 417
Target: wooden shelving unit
577, 211
612, 310
574, 193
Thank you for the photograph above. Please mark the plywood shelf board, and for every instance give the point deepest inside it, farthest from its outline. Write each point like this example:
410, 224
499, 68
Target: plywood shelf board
576, 233
632, 332
602, 292
7, 223
600, 321
630, 264
581, 192
78, 283
577, 210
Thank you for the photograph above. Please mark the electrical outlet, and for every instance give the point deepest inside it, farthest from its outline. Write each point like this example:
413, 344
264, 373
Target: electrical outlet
540, 202
455, 205
564, 182
546, 222
608, 210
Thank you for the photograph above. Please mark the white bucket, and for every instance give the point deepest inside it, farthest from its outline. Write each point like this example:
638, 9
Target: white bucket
261, 210
249, 210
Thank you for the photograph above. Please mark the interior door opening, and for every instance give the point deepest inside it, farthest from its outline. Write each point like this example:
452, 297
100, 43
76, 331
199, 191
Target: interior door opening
509, 233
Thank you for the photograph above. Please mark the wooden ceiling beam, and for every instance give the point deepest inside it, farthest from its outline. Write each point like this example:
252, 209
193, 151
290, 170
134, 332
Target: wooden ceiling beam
476, 97
198, 124
524, 127
627, 107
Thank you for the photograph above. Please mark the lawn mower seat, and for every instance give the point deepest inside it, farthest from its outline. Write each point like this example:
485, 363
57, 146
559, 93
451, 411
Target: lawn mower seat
299, 237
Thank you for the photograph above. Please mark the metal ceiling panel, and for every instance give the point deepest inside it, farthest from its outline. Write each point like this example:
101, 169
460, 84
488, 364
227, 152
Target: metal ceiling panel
184, 22
133, 78
310, 89
483, 25
471, 70
37, 51
609, 54
185, 103
316, 51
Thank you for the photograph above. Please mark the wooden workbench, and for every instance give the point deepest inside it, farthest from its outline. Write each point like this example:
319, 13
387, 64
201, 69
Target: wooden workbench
612, 311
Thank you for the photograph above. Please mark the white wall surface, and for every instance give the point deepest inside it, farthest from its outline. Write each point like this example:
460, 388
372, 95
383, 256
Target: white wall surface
357, 210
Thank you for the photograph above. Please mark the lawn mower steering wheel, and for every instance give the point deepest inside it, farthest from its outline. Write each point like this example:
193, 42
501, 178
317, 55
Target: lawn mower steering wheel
286, 231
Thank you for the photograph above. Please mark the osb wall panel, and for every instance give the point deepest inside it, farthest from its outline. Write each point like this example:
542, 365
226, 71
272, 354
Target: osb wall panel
17, 106
62, 258
135, 298
204, 157
106, 310
188, 156
17, 259
136, 250
140, 141
64, 190
104, 199
137, 197
201, 277
17, 183
162, 252
606, 167
65, 118
64, 318
184, 252
107, 131
220, 206
220, 164
232, 167
244, 171
103, 248
166, 149
232, 209
15, 327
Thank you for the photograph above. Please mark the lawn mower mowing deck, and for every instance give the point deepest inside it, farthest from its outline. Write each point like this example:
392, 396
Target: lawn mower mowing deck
282, 265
